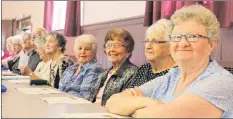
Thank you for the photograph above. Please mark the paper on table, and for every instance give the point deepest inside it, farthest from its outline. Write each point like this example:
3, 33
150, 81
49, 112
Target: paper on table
38, 90
64, 100
16, 77
91, 115
19, 81
8, 73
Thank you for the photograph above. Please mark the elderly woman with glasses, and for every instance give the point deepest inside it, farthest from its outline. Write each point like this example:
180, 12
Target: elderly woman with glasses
16, 47
157, 54
79, 78
119, 45
198, 88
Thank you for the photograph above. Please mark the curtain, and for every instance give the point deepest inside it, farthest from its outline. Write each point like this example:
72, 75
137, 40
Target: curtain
156, 10
72, 24
48, 15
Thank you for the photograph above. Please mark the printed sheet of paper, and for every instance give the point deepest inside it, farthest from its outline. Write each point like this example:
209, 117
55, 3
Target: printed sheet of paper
91, 115
8, 73
38, 90
64, 100
19, 81
16, 77
23, 60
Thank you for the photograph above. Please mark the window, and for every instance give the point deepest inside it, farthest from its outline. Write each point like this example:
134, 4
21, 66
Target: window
23, 25
59, 14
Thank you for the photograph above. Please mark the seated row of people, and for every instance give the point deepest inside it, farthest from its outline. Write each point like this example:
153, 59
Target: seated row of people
179, 80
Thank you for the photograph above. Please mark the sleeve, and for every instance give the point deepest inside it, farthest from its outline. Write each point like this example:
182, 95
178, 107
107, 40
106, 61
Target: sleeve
13, 66
89, 80
149, 87
65, 76
217, 89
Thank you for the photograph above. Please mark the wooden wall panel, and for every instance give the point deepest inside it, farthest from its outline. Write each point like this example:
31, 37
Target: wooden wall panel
227, 44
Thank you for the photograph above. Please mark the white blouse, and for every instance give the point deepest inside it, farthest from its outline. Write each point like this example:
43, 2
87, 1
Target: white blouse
42, 70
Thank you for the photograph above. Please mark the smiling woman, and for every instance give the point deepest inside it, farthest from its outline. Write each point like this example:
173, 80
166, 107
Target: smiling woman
79, 78
119, 45
157, 54
198, 88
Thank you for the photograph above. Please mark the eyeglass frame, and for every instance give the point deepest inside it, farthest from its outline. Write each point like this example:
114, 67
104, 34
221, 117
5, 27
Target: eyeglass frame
185, 35
113, 44
155, 41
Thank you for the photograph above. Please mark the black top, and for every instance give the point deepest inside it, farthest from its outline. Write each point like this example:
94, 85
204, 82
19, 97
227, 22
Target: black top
115, 83
143, 75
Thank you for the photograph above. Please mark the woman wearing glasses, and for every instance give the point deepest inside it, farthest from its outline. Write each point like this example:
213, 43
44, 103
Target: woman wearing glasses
157, 54
79, 78
119, 45
198, 88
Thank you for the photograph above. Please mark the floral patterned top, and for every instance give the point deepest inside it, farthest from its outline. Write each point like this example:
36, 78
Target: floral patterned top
57, 70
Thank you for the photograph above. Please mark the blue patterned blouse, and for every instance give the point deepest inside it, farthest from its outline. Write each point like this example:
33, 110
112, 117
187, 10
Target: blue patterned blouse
213, 85
80, 85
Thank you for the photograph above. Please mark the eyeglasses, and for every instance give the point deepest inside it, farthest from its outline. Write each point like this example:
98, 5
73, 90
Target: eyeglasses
155, 41
35, 35
188, 37
115, 45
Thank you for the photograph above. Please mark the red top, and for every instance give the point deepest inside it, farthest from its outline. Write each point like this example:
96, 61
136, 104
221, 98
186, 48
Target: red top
6, 55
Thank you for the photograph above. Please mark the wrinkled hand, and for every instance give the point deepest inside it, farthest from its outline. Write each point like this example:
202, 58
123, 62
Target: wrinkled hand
143, 113
132, 92
25, 70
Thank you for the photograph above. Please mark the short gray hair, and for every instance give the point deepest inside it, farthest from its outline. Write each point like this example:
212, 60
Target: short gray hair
162, 28
86, 38
28, 34
17, 39
201, 15
9, 39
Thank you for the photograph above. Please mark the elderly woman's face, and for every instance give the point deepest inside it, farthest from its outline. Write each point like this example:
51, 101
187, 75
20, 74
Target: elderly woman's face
84, 52
51, 45
116, 51
41, 51
16, 48
155, 50
184, 51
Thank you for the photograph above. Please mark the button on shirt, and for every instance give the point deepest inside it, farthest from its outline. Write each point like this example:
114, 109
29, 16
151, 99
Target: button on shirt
213, 85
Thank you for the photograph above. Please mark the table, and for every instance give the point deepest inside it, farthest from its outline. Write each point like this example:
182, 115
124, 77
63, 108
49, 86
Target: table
16, 104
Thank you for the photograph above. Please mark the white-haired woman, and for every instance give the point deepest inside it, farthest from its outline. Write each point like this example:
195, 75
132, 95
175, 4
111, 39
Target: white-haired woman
198, 88
42, 70
79, 78
157, 54
9, 52
12, 61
